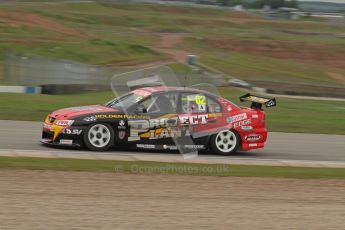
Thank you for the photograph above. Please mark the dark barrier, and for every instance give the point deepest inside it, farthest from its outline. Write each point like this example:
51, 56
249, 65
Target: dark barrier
300, 89
70, 89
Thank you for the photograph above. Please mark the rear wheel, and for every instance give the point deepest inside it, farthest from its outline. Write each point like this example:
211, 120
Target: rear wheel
225, 142
99, 137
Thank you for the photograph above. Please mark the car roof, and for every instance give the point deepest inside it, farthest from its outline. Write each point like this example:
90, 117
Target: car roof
158, 89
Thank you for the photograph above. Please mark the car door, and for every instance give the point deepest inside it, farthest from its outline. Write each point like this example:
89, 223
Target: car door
160, 111
200, 114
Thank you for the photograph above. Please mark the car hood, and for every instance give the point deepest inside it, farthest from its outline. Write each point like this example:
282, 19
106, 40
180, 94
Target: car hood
68, 113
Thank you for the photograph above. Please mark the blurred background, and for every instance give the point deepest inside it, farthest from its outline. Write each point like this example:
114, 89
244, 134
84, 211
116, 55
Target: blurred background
56, 54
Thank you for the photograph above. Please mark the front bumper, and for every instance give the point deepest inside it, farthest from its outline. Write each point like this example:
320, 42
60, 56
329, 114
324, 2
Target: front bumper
52, 143
62, 136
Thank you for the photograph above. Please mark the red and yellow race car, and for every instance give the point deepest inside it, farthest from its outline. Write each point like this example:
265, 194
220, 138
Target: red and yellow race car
166, 118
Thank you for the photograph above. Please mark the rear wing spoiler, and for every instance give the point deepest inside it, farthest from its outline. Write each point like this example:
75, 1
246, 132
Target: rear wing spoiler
257, 101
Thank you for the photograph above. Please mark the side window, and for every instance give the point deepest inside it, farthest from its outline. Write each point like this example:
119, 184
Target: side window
161, 103
193, 103
213, 106
148, 104
198, 103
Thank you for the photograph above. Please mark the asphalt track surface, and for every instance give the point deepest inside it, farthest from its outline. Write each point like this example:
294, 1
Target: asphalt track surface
24, 136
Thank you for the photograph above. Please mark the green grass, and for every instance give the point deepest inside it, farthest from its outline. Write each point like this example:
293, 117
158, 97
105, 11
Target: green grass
259, 67
307, 116
124, 34
110, 50
169, 168
36, 107
77, 37
291, 115
269, 69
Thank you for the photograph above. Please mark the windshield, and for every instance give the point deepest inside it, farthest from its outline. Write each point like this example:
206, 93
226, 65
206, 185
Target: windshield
126, 101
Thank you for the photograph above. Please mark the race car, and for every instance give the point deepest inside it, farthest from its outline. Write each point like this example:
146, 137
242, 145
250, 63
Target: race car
162, 118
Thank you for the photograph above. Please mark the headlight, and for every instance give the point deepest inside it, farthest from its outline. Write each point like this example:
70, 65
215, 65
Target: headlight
64, 122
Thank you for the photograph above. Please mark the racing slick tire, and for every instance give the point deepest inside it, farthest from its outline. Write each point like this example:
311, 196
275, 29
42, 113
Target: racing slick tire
99, 137
225, 142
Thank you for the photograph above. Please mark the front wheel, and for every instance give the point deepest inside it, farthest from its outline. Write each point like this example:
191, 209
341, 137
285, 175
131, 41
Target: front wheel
99, 137
225, 142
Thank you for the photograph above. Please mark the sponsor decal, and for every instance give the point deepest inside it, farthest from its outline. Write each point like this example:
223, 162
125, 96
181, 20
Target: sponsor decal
239, 117
247, 128
66, 142
228, 119
253, 137
242, 123
64, 122
253, 145
123, 116
194, 146
72, 131
255, 116
89, 119
122, 123
122, 134
170, 147
57, 130
164, 127
193, 120
202, 108
228, 108
146, 146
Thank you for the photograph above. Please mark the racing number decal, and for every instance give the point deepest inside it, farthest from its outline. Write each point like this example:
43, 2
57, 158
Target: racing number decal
200, 100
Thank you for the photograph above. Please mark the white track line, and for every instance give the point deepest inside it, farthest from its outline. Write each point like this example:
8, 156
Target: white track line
169, 158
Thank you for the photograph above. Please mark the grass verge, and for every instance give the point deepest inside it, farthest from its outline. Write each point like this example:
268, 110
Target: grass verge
169, 168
